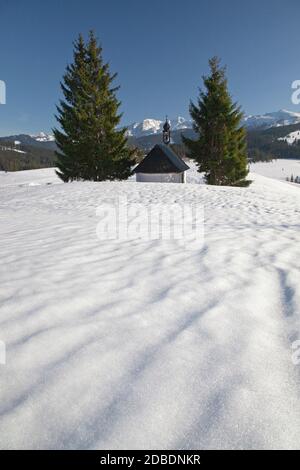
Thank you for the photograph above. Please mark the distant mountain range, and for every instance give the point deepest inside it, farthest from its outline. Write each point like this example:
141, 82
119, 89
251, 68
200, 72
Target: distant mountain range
270, 135
283, 117
40, 140
149, 127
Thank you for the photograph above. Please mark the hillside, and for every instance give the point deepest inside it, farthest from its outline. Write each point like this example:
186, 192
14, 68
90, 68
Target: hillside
41, 140
272, 143
148, 344
24, 157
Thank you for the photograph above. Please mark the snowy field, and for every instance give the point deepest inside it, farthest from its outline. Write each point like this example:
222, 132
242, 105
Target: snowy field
145, 344
278, 169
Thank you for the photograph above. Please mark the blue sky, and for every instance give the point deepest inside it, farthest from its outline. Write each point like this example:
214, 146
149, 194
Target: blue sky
160, 50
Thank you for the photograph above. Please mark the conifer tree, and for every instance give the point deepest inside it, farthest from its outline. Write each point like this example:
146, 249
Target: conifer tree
220, 148
91, 147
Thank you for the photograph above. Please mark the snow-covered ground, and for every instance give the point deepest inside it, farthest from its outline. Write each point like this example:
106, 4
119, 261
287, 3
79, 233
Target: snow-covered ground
145, 344
278, 169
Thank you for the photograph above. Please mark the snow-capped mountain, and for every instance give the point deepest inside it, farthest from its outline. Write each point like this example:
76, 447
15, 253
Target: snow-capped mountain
43, 137
283, 117
155, 126
149, 126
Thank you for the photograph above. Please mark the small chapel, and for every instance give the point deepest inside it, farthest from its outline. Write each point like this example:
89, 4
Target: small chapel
162, 164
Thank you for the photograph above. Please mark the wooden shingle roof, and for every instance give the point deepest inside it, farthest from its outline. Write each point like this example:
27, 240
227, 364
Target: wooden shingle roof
161, 159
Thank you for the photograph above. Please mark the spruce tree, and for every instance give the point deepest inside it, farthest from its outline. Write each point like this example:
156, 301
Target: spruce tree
220, 150
91, 147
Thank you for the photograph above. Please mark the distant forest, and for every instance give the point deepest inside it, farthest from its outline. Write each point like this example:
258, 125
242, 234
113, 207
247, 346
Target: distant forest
24, 157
